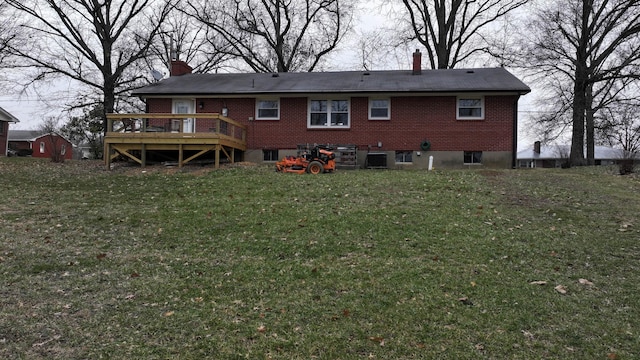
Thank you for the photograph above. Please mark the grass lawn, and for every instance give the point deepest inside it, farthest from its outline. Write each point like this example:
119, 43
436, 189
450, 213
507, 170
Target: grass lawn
246, 263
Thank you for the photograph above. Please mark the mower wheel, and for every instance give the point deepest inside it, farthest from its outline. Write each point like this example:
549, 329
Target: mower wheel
315, 168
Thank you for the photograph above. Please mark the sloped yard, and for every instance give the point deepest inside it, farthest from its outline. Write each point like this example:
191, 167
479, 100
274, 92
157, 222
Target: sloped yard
244, 262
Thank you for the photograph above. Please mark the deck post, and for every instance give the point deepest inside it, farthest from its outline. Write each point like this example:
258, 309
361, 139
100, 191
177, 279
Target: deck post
107, 155
107, 147
143, 155
180, 155
217, 162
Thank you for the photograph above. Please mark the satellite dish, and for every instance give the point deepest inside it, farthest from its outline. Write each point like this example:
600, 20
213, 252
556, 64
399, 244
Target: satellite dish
157, 74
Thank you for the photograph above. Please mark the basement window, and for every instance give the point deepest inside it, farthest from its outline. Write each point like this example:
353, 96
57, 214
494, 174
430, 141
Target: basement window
328, 114
267, 109
470, 108
404, 157
270, 155
473, 157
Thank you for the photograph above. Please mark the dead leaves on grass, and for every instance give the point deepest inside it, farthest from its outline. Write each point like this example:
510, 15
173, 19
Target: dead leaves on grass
465, 301
377, 339
562, 289
625, 226
585, 282
538, 282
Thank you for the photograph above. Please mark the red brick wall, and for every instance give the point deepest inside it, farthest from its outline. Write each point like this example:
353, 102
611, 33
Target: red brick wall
413, 119
4, 131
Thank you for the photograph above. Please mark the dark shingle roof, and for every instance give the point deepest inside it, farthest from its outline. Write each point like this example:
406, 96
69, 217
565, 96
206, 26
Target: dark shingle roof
24, 135
30, 135
400, 81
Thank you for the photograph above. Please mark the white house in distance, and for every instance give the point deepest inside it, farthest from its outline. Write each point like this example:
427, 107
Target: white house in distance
554, 156
5, 119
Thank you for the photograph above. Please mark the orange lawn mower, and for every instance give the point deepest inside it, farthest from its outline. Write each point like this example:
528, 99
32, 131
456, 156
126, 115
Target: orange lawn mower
318, 160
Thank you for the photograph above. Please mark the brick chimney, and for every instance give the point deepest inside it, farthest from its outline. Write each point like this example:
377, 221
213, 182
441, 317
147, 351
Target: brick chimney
536, 147
417, 62
179, 67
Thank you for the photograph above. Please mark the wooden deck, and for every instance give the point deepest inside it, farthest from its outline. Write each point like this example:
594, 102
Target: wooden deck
135, 136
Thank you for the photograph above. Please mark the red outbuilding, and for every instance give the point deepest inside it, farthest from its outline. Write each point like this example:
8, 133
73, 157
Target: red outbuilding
39, 144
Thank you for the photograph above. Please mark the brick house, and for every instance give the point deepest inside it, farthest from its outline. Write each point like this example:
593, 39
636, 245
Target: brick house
39, 144
5, 119
460, 117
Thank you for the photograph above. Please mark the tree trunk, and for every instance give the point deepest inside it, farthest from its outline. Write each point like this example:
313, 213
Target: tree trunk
580, 88
442, 50
590, 126
109, 101
579, 104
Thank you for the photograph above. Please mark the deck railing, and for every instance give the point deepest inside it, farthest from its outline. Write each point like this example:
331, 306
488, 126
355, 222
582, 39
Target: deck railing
156, 125
133, 135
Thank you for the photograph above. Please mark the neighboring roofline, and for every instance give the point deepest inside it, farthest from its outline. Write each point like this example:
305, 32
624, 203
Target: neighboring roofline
548, 153
9, 138
12, 118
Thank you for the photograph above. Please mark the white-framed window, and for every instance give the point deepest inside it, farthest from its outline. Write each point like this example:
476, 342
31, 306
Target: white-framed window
472, 157
329, 113
63, 149
404, 157
379, 109
42, 147
470, 108
267, 109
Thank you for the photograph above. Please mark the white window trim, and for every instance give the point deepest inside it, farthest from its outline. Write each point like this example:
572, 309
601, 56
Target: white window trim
258, 117
328, 100
404, 162
388, 117
471, 97
42, 147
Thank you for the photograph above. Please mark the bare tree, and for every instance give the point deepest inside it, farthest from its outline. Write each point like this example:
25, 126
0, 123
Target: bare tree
181, 38
453, 31
620, 125
95, 43
8, 32
86, 130
593, 44
275, 35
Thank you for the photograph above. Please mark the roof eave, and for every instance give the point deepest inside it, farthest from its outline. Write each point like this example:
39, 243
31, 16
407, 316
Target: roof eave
518, 92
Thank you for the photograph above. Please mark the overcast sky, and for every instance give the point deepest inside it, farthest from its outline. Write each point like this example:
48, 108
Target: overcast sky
31, 110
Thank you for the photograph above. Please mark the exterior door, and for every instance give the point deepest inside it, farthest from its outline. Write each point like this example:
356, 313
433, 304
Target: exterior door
185, 107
